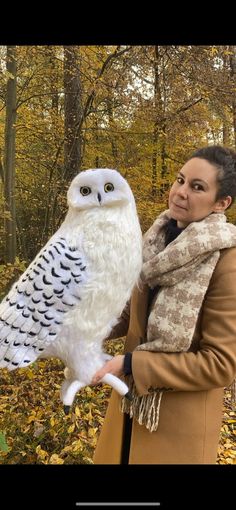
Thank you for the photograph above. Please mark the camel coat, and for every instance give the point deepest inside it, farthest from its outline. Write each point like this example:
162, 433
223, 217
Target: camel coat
191, 407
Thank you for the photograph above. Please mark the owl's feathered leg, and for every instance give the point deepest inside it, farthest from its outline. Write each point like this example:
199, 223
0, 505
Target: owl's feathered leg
67, 374
66, 383
70, 387
118, 385
68, 391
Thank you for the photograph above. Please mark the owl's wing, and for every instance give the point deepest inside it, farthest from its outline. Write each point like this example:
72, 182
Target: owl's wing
32, 313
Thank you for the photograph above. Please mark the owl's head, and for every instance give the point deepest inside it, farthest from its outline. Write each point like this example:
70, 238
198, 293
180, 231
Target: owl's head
100, 187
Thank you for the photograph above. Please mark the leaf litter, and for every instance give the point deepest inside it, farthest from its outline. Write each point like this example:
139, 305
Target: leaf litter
35, 430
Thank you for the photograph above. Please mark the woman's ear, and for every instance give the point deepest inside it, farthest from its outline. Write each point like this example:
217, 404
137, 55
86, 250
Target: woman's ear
222, 204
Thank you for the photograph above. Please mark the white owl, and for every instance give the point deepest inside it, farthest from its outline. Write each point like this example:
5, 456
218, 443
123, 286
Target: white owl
73, 293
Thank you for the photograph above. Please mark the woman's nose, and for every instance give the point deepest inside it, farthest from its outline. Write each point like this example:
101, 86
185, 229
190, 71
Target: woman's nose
183, 191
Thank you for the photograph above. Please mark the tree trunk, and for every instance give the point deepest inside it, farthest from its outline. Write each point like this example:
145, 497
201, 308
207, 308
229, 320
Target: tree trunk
9, 156
226, 125
73, 113
96, 137
55, 170
155, 129
54, 76
233, 74
163, 153
158, 109
226, 132
112, 127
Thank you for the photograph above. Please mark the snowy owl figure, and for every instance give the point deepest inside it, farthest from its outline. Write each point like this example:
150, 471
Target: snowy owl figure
74, 291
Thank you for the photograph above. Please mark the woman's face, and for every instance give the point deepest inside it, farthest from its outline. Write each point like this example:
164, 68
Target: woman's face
193, 194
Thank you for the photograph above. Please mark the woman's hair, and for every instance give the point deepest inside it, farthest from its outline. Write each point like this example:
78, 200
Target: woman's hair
224, 159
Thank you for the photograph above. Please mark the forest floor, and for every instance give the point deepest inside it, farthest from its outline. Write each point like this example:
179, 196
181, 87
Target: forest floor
35, 430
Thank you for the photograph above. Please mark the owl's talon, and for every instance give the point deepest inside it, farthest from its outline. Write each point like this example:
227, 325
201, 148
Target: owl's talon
129, 396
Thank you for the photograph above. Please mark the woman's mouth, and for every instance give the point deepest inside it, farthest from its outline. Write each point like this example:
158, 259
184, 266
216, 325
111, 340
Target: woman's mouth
179, 206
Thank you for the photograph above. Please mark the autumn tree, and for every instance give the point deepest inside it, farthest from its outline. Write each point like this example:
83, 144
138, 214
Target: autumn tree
9, 155
140, 109
72, 112
233, 75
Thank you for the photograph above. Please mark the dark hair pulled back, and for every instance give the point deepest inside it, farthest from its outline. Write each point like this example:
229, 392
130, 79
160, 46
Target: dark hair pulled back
224, 159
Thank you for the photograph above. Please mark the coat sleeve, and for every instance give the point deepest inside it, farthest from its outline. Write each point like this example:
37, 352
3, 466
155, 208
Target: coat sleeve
121, 328
214, 364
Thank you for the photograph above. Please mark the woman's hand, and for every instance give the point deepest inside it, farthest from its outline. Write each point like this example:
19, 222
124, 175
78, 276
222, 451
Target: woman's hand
114, 366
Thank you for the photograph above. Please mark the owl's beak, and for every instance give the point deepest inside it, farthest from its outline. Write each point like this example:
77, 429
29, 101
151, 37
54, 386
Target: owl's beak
99, 198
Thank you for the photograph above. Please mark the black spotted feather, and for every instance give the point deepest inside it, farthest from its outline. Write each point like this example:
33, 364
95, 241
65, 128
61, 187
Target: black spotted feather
32, 313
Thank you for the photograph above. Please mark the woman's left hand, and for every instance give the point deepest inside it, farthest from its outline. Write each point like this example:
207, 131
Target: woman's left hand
114, 366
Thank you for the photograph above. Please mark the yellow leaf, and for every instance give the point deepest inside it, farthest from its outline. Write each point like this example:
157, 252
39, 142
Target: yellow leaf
89, 415
77, 446
32, 417
66, 449
30, 374
26, 429
230, 461
40, 414
77, 412
225, 429
42, 454
229, 453
71, 428
3, 406
87, 460
92, 432
55, 459
52, 432
52, 421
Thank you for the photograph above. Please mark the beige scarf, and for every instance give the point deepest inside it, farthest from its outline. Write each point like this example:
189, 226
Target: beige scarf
183, 270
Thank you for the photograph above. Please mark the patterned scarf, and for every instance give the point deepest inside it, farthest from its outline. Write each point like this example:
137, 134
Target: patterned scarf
191, 257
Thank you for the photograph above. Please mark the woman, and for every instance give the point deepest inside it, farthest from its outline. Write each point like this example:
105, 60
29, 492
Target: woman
180, 350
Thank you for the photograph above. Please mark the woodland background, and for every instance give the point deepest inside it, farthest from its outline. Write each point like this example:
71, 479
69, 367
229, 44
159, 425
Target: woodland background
139, 109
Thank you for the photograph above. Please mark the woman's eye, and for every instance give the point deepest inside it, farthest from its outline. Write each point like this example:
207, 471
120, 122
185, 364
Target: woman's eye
108, 187
180, 180
85, 190
198, 187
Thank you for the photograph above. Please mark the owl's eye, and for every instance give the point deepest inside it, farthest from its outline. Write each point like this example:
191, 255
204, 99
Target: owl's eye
85, 190
108, 187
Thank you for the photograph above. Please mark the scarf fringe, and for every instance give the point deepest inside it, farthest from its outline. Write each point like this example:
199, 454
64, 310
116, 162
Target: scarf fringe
232, 389
144, 409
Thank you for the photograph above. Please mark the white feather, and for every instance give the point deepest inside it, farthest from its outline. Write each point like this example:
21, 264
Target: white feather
73, 293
